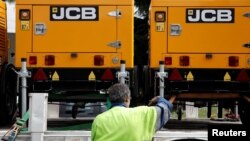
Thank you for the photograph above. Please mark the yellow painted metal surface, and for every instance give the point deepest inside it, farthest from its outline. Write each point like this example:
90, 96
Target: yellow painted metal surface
75, 36
85, 28
200, 3
221, 30
3, 33
76, 2
209, 37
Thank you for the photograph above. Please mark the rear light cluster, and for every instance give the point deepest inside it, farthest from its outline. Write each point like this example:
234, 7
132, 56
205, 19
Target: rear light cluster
243, 76
98, 60
106, 76
168, 61
183, 61
49, 60
175, 75
33, 60
233, 61
40, 75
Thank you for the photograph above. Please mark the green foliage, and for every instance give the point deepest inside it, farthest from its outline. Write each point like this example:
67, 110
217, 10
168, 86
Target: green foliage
10, 1
143, 7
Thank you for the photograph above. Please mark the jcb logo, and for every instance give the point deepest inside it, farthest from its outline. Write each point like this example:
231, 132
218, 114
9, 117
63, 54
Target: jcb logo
73, 13
210, 15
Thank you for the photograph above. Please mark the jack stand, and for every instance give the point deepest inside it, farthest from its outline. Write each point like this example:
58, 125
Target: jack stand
161, 75
24, 74
123, 74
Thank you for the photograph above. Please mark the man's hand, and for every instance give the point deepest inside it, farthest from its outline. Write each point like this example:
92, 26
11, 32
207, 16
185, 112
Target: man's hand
172, 99
153, 101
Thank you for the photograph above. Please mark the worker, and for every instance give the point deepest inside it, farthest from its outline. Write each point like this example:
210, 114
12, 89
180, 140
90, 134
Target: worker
121, 123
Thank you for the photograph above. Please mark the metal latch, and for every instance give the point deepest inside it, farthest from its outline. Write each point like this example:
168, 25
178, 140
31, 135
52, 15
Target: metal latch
247, 15
115, 44
175, 29
115, 13
247, 45
40, 28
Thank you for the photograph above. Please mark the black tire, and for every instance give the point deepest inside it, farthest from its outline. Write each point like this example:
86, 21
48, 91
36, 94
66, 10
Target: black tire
8, 104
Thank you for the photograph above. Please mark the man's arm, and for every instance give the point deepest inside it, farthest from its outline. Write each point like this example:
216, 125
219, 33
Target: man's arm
163, 108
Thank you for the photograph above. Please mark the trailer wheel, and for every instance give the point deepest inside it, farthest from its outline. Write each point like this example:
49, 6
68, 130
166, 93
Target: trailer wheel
8, 106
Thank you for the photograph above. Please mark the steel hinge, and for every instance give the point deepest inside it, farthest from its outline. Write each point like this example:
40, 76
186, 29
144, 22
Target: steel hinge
115, 13
247, 15
115, 44
247, 45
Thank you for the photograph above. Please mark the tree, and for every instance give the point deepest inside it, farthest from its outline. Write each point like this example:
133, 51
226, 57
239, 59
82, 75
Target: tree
143, 7
9, 1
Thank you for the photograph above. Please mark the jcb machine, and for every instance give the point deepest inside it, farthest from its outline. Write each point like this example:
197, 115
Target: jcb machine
75, 49
7, 76
204, 48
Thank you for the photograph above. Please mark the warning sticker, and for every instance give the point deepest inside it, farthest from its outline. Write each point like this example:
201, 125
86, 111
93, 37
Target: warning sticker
160, 27
25, 25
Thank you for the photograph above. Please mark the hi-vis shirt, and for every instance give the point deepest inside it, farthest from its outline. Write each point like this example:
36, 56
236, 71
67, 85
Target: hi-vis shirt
125, 124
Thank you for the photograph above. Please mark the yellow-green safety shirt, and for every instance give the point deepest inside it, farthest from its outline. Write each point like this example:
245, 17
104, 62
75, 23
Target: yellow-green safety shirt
125, 124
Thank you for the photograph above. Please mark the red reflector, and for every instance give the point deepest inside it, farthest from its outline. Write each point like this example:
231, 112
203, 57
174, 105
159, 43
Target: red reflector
160, 16
24, 14
32, 60
168, 60
233, 61
98, 60
107, 75
243, 76
40, 75
49, 60
175, 75
184, 60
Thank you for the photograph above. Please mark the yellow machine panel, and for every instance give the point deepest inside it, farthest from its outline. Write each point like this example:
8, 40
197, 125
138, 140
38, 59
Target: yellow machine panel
207, 31
81, 28
200, 50
61, 35
223, 34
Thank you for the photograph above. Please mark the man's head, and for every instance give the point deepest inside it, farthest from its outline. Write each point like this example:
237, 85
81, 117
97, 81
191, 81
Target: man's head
119, 93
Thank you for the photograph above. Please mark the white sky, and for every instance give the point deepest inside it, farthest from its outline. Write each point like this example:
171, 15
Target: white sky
11, 17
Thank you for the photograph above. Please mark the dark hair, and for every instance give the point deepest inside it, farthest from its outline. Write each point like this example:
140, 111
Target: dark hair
118, 92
